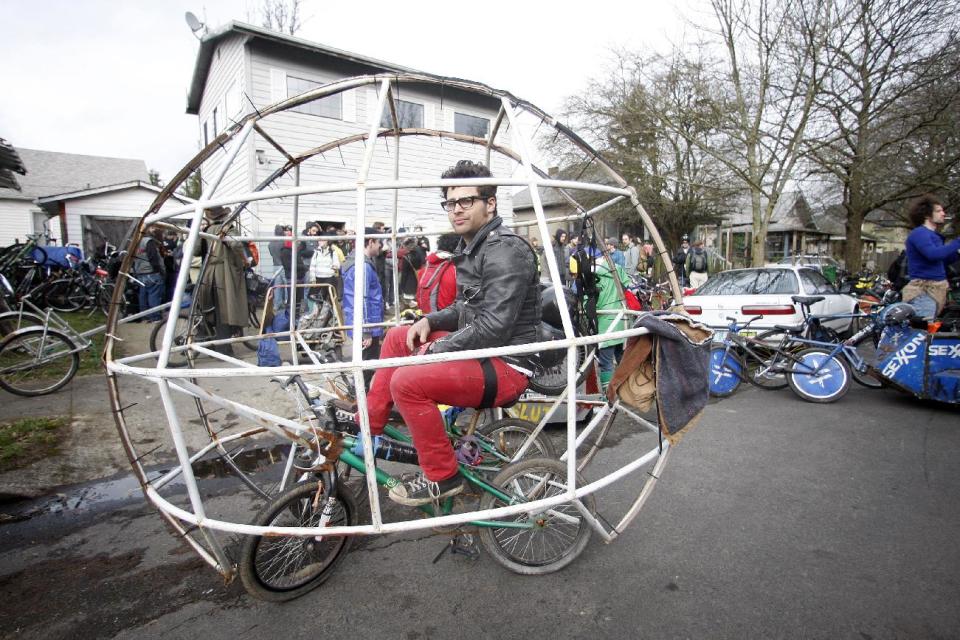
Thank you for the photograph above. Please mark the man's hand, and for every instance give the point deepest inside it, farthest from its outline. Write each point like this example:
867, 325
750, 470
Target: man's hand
417, 333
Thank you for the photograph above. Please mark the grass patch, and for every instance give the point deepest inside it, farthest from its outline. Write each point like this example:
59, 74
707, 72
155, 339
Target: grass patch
90, 357
28, 439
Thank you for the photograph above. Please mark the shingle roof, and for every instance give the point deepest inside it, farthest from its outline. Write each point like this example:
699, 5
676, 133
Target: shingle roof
51, 173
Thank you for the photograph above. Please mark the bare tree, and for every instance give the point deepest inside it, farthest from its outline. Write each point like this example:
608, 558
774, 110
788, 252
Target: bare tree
886, 122
763, 92
679, 184
281, 15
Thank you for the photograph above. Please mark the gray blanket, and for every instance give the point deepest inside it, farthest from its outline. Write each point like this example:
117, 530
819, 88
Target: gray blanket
680, 349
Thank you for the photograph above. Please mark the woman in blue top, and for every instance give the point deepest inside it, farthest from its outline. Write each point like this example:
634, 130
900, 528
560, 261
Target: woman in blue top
927, 257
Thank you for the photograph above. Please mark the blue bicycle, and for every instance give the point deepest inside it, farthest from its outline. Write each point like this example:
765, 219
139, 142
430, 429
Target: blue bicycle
814, 370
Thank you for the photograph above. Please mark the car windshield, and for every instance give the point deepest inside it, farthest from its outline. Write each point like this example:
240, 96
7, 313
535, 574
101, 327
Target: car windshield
750, 282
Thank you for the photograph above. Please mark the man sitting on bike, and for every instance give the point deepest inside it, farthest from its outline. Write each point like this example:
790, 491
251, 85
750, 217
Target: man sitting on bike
497, 304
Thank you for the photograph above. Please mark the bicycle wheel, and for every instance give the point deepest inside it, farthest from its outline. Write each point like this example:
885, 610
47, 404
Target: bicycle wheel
767, 370
828, 384
11, 321
502, 439
253, 330
64, 295
552, 381
558, 534
280, 568
725, 371
36, 361
181, 335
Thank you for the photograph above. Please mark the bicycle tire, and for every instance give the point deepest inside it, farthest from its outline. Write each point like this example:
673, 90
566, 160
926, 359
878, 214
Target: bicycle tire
54, 350
60, 296
829, 385
308, 562
758, 371
725, 372
553, 380
181, 336
252, 329
11, 321
503, 438
826, 334
553, 543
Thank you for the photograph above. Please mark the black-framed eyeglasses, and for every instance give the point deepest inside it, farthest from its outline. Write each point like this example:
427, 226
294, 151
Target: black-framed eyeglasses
465, 202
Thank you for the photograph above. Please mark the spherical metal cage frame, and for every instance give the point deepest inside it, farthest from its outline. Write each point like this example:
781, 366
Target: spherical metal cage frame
196, 526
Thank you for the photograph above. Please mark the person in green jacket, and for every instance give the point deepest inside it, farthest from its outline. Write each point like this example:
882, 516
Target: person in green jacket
609, 299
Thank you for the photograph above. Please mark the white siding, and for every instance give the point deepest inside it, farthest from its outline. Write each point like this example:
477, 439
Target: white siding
419, 157
16, 220
224, 91
129, 203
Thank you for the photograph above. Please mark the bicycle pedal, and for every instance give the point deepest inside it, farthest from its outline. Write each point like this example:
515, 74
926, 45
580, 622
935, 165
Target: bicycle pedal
461, 544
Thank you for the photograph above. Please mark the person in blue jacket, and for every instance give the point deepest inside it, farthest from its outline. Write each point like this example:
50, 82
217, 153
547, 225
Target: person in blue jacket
927, 257
372, 299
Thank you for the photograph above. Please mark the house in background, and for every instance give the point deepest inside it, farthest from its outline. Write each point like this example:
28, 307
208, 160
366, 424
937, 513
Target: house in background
240, 67
77, 199
798, 226
103, 215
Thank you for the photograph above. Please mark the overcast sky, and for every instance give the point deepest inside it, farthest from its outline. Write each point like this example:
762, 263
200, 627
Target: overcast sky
110, 78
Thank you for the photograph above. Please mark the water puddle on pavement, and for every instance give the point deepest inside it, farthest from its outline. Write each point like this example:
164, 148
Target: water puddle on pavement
110, 493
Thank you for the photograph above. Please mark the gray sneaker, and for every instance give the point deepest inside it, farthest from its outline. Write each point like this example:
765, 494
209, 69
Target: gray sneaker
420, 491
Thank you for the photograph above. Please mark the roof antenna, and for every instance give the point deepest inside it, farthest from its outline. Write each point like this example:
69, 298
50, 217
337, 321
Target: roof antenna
195, 25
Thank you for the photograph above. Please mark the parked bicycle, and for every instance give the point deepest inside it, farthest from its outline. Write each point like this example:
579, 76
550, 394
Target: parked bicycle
816, 370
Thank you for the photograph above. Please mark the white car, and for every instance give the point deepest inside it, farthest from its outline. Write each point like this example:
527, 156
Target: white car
768, 292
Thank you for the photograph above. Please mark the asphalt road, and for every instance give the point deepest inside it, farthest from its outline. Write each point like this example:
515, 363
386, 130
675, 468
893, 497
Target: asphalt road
775, 518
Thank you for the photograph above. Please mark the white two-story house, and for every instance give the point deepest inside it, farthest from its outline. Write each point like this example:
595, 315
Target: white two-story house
240, 67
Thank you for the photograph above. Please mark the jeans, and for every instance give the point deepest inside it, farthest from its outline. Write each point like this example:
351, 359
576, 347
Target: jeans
151, 293
417, 390
925, 306
607, 357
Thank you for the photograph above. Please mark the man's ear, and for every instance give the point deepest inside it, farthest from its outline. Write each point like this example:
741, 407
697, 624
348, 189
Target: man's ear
491, 205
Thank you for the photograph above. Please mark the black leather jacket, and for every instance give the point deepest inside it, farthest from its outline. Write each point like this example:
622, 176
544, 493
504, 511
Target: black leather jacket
498, 295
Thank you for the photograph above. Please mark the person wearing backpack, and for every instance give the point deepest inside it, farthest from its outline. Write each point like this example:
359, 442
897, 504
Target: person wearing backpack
437, 288
697, 265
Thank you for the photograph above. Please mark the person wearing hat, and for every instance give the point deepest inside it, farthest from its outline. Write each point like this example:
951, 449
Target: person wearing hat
222, 290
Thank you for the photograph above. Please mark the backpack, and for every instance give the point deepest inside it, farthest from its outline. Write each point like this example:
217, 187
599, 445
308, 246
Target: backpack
428, 290
897, 273
698, 261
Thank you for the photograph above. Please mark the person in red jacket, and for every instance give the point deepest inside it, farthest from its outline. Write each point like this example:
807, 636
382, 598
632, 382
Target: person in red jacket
437, 280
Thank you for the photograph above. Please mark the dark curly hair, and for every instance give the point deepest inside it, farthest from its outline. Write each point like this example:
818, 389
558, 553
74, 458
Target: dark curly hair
922, 208
470, 169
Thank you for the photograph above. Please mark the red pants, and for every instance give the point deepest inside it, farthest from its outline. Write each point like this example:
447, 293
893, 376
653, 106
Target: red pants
418, 389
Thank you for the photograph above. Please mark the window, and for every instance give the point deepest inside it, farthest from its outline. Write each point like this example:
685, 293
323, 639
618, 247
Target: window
815, 283
328, 107
470, 125
750, 282
409, 114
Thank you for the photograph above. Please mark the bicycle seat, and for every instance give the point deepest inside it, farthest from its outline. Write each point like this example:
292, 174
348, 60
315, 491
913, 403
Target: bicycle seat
807, 300
788, 328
